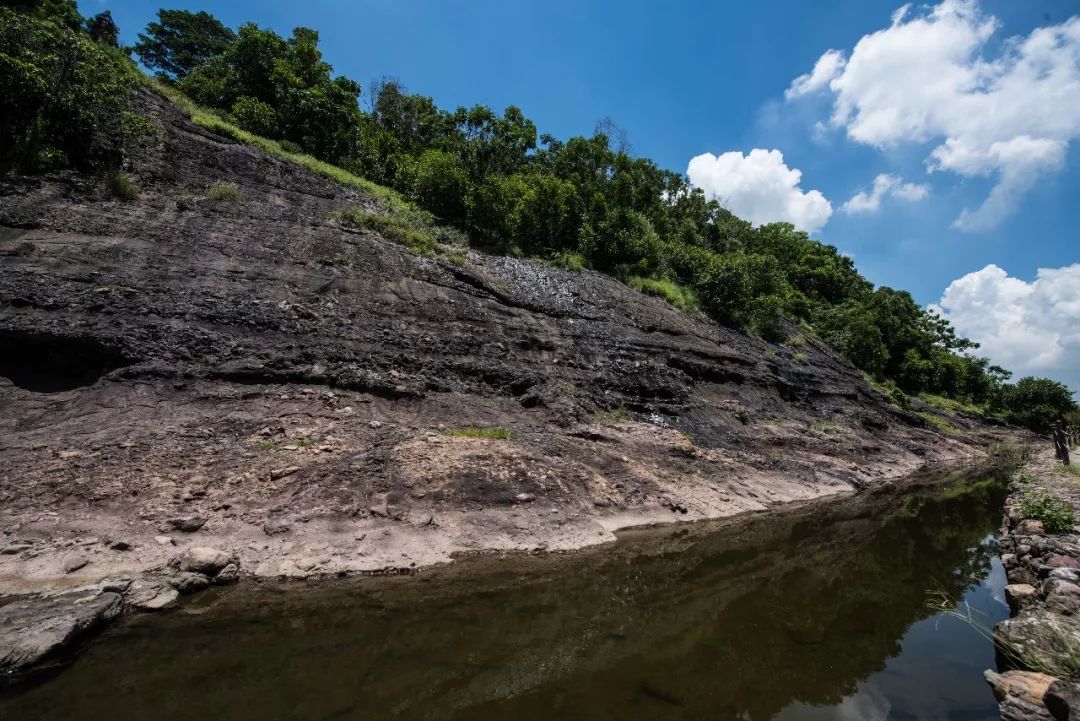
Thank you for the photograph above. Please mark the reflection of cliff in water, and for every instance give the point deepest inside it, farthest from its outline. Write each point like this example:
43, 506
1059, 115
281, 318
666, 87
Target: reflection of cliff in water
700, 623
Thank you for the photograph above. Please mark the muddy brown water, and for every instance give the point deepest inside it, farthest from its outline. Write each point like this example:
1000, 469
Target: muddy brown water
814, 612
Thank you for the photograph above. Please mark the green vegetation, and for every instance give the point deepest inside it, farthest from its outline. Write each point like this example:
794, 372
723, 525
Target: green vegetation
1036, 403
415, 236
1007, 454
950, 404
799, 357
569, 261
576, 203
611, 417
214, 122
66, 98
823, 425
496, 433
181, 41
1057, 515
938, 422
674, 293
225, 192
796, 341
120, 186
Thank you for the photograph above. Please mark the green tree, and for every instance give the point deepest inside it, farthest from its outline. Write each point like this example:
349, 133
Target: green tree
62, 12
283, 88
1036, 403
852, 329
66, 99
180, 41
438, 182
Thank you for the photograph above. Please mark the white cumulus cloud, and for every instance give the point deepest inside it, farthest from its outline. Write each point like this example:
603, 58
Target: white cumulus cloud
885, 185
759, 187
1029, 328
828, 66
931, 76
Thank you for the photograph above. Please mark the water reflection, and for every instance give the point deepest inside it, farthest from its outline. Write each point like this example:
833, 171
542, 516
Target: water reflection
801, 615
938, 674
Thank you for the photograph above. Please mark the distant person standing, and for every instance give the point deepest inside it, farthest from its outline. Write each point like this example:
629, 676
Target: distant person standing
1061, 442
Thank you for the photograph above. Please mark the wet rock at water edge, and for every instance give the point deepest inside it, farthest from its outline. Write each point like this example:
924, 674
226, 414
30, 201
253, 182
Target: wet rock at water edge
187, 582
1017, 594
1020, 694
33, 630
229, 574
148, 595
204, 560
1063, 700
1041, 639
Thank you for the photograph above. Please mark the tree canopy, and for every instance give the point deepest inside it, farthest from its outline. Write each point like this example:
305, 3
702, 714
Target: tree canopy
180, 41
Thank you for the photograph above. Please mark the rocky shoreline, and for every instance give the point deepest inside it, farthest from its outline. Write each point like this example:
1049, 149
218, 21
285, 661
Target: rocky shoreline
42, 630
1041, 641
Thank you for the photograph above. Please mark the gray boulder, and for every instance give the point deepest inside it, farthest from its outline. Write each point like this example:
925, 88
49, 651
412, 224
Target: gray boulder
34, 630
205, 560
1042, 639
187, 582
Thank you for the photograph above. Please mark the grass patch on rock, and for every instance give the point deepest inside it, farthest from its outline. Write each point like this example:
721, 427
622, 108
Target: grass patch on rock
225, 193
950, 404
938, 422
121, 187
674, 293
568, 260
611, 417
496, 433
409, 231
823, 425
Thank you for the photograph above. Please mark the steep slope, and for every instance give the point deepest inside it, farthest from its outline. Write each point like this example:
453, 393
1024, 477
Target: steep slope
248, 374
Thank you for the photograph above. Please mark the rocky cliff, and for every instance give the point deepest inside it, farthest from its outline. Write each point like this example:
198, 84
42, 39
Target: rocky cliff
249, 375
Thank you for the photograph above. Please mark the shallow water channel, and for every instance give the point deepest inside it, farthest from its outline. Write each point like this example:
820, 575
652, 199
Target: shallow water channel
816, 612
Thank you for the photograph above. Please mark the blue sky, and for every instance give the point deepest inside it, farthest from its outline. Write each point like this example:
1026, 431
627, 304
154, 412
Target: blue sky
688, 78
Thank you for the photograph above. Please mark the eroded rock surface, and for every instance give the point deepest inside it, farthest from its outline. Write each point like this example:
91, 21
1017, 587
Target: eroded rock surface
249, 375
35, 630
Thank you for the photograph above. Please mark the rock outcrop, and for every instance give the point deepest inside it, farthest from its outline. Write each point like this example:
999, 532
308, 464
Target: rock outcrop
179, 374
34, 631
